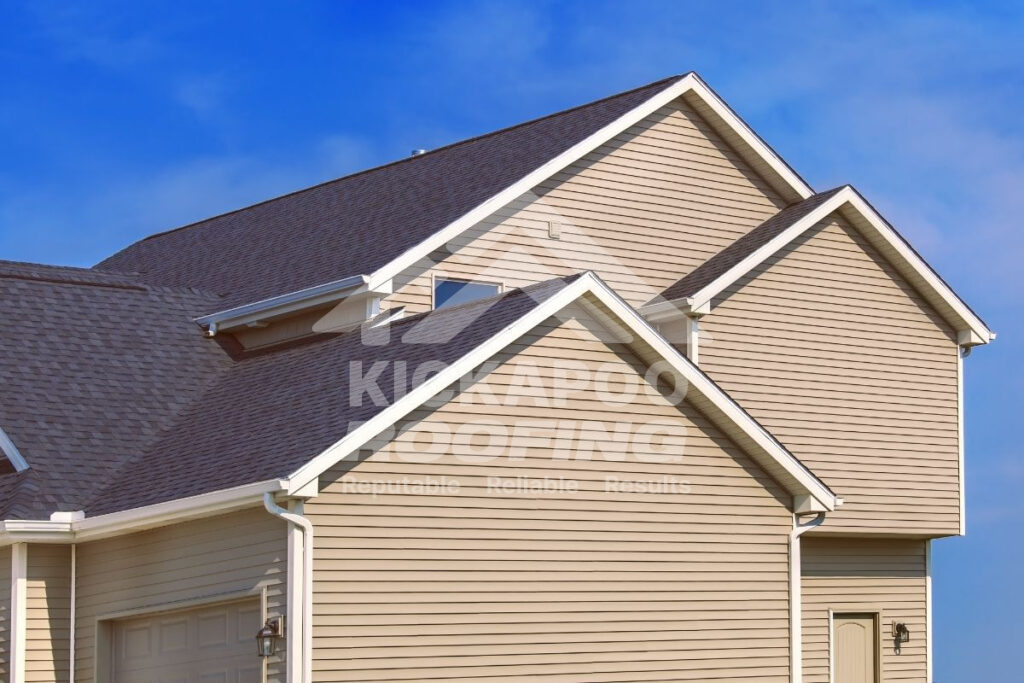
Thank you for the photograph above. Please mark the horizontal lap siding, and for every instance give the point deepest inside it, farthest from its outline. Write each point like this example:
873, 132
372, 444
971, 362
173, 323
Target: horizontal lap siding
830, 349
5, 610
152, 570
596, 585
854, 575
642, 210
47, 644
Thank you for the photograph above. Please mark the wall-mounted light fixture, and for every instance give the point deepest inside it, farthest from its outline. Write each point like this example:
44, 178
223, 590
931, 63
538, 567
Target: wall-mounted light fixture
267, 637
900, 635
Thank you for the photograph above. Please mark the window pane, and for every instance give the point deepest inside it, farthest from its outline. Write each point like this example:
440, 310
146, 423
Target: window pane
454, 292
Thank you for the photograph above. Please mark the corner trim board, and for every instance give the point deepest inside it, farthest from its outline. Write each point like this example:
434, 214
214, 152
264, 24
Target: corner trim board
19, 611
928, 609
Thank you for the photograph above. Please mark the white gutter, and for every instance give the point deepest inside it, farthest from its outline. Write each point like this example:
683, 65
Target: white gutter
796, 674
19, 615
299, 651
280, 305
75, 527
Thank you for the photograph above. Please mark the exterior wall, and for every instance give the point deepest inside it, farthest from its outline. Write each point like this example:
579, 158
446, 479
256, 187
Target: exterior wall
866, 575
5, 611
831, 350
172, 566
47, 644
595, 585
642, 210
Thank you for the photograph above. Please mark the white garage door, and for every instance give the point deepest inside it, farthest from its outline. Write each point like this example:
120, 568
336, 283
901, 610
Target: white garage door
214, 644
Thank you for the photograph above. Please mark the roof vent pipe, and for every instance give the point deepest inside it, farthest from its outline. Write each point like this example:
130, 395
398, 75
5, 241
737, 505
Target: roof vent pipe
418, 152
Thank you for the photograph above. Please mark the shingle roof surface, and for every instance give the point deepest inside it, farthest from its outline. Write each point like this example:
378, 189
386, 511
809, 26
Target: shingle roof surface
94, 367
273, 411
356, 224
717, 265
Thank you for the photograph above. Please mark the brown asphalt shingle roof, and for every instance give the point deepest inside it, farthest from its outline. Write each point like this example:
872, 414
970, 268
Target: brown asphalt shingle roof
356, 224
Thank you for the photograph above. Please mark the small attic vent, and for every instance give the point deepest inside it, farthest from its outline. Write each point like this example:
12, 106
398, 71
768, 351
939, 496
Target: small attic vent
418, 152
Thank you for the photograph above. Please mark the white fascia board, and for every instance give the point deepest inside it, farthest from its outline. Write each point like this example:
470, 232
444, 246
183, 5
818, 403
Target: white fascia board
590, 284
138, 519
686, 84
283, 304
35, 531
971, 328
11, 451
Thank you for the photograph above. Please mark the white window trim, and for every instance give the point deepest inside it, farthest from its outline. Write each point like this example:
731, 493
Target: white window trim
441, 277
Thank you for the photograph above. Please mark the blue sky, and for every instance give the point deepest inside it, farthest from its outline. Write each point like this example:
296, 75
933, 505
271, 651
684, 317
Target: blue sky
120, 119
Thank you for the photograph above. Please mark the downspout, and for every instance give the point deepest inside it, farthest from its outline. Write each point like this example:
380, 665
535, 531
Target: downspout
796, 674
306, 609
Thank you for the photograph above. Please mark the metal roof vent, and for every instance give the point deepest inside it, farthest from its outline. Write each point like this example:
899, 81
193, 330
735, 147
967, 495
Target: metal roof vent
418, 152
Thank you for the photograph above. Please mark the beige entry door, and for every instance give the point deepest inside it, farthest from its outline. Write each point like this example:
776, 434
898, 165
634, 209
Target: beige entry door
211, 644
856, 648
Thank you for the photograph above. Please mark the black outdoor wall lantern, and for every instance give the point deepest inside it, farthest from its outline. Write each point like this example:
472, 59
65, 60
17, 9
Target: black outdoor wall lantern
266, 638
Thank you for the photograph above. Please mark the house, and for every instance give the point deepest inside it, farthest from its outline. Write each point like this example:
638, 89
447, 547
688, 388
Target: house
611, 395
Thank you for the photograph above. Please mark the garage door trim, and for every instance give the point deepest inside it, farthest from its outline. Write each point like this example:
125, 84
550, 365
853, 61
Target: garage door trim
104, 624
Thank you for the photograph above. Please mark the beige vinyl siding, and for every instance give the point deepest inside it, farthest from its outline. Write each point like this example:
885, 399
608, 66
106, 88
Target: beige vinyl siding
585, 586
641, 211
5, 611
831, 350
866, 575
48, 591
207, 559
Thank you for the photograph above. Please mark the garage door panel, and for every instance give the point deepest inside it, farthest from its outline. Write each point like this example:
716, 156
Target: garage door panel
212, 644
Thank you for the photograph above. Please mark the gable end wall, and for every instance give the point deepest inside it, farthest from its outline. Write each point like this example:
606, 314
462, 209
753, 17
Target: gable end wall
643, 209
833, 352
592, 585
